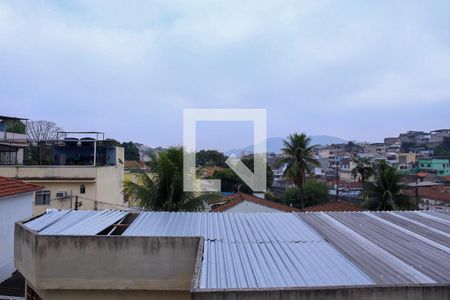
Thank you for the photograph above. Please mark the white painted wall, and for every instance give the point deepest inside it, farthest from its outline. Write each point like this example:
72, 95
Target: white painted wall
12, 209
250, 207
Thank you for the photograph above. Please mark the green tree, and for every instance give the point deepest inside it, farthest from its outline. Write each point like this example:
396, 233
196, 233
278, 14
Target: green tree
444, 148
298, 155
162, 190
231, 182
314, 192
211, 158
131, 151
15, 126
385, 192
363, 168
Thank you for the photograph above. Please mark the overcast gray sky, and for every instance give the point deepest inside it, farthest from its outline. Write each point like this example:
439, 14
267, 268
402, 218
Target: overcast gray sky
359, 70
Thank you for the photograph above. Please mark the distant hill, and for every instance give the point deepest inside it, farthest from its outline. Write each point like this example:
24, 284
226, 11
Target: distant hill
276, 143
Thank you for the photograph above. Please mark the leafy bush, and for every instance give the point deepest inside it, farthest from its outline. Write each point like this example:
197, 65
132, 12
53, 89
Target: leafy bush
314, 192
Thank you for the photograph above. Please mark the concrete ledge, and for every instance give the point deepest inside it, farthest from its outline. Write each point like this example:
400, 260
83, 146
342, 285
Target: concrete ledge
106, 262
413, 292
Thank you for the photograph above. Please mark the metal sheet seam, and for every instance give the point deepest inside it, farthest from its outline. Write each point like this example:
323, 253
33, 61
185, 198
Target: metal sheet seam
432, 218
408, 232
417, 276
52, 222
420, 224
332, 247
75, 222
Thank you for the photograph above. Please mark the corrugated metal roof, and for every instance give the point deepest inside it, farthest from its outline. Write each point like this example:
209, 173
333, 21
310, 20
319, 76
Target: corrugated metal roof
70, 222
263, 250
270, 250
391, 247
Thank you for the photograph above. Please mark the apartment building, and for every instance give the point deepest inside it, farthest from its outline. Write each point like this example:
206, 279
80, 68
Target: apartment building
415, 137
377, 149
441, 167
405, 161
437, 136
13, 140
86, 172
391, 140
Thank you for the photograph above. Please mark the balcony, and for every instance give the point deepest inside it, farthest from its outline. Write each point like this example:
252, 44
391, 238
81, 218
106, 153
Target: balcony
13, 137
53, 173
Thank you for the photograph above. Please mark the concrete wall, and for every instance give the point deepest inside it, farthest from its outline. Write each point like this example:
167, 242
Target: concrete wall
106, 262
433, 292
105, 187
48, 171
110, 294
110, 184
55, 187
12, 209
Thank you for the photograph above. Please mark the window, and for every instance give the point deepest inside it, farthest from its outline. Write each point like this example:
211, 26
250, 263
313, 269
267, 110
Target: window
82, 189
42, 198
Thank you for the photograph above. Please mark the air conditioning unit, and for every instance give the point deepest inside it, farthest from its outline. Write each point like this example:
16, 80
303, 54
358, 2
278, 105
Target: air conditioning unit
61, 195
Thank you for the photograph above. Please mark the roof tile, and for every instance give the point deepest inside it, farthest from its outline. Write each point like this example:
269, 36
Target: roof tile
9, 187
236, 198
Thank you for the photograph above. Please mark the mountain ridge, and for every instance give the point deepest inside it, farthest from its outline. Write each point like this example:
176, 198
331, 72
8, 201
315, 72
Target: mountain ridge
274, 144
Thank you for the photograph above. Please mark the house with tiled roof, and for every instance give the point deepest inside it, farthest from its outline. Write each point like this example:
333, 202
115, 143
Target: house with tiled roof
331, 206
241, 202
16, 202
435, 197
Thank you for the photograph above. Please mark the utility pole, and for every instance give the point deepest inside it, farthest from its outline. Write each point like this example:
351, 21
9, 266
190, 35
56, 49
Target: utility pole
337, 180
95, 152
76, 202
71, 198
417, 190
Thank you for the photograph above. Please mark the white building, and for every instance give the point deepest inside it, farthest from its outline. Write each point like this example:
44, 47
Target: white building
437, 136
16, 200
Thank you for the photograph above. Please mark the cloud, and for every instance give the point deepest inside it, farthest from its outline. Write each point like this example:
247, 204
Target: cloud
144, 61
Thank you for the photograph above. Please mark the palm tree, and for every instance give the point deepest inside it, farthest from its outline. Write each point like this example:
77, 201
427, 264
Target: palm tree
385, 193
162, 190
299, 158
363, 168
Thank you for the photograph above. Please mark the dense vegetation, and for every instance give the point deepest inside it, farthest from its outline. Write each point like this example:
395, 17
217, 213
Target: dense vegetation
314, 192
131, 151
210, 158
443, 150
231, 182
385, 190
162, 190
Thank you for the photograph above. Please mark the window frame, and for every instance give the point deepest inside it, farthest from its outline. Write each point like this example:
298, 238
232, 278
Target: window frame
44, 194
82, 189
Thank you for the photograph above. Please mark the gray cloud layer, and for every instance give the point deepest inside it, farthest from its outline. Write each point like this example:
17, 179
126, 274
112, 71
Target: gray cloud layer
357, 70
